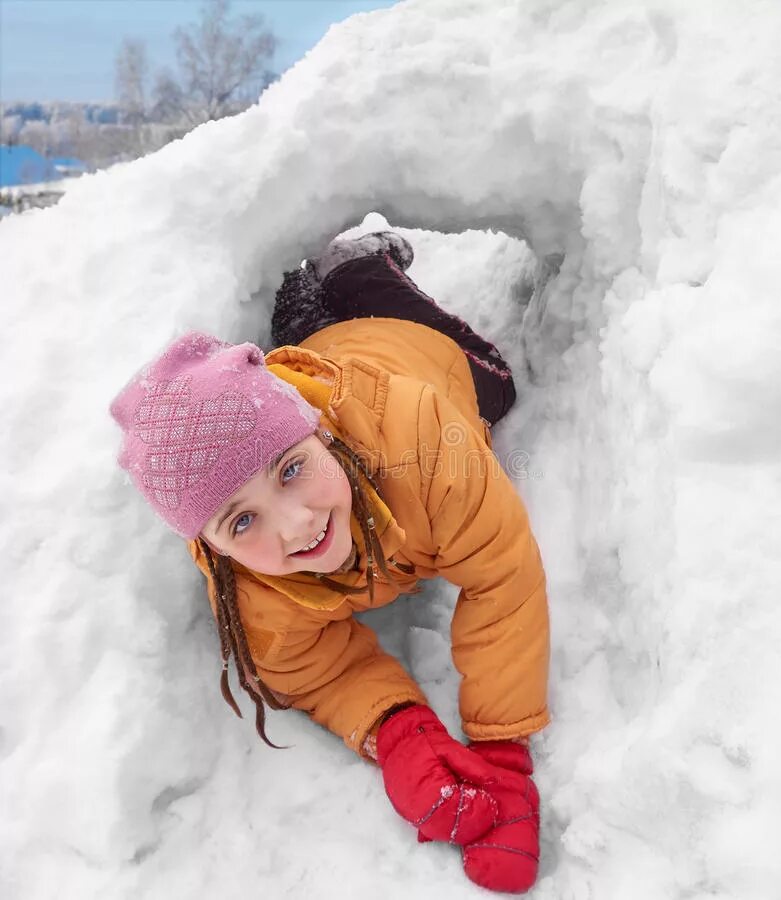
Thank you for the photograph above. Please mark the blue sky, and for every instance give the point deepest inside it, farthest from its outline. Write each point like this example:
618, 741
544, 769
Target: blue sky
65, 49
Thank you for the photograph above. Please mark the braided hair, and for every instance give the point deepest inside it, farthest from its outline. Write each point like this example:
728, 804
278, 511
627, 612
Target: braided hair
233, 638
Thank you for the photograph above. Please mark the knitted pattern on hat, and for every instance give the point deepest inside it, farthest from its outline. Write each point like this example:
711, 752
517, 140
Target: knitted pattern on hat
201, 420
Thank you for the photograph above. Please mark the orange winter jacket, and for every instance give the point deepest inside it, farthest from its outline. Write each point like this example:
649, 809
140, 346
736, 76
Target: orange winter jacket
401, 395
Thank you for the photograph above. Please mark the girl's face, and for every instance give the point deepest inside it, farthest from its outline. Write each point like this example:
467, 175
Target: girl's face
301, 500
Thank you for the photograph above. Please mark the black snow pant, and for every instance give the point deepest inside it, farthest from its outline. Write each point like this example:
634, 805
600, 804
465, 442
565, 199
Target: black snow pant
374, 286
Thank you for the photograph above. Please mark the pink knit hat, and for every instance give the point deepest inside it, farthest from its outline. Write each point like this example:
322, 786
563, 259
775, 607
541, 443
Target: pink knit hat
201, 420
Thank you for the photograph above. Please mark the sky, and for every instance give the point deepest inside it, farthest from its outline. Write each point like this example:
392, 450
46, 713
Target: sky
65, 49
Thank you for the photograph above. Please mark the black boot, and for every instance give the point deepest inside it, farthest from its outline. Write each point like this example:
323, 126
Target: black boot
375, 244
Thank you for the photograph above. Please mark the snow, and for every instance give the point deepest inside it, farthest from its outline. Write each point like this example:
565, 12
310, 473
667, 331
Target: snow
642, 141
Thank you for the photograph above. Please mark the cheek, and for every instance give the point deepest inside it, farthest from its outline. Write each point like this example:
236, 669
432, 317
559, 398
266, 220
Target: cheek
343, 492
334, 488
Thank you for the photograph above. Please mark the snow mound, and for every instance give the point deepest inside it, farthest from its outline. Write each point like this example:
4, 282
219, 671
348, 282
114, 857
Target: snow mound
641, 141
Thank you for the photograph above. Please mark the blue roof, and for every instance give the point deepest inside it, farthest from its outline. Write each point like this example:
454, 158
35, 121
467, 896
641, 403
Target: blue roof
23, 165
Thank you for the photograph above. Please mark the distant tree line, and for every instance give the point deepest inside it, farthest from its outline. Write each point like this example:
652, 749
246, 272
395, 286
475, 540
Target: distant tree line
222, 66
90, 131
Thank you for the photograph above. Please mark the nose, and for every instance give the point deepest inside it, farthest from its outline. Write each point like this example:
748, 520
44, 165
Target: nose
296, 525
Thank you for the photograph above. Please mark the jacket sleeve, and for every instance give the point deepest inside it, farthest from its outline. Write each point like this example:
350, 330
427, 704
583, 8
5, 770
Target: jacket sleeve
331, 668
483, 543
334, 671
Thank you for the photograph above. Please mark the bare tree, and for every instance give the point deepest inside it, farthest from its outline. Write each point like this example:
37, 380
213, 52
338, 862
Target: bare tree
38, 135
215, 59
10, 126
170, 102
130, 80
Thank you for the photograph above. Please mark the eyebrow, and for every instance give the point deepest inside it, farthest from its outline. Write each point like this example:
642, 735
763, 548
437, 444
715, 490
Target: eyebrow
236, 503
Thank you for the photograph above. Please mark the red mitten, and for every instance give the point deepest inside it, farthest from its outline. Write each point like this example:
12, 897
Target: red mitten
435, 782
505, 859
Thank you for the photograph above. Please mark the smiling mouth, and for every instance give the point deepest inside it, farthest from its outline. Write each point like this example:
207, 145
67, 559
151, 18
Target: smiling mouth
320, 543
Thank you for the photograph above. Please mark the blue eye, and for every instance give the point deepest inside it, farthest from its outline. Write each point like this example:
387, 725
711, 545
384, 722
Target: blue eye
291, 470
236, 529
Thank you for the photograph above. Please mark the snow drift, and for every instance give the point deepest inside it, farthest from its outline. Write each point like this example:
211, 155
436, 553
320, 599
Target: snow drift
642, 142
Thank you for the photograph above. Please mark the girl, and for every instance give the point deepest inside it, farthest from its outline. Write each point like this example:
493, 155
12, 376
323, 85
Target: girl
328, 477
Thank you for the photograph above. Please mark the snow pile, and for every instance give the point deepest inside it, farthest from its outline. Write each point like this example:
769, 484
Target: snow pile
643, 142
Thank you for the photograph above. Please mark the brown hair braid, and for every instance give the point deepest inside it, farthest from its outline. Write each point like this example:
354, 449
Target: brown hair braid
233, 638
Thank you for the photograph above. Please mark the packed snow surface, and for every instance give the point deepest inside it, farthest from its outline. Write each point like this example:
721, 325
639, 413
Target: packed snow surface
640, 140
